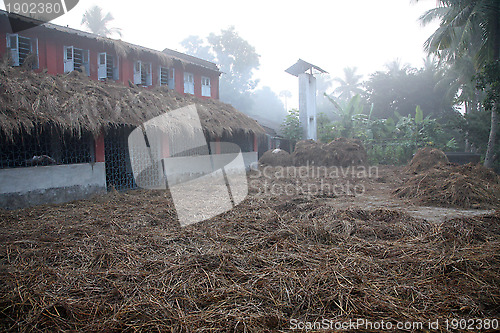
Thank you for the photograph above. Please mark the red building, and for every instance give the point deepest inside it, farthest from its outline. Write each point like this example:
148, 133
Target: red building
44, 159
60, 50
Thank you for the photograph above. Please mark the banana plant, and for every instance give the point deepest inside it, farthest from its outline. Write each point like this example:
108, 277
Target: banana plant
349, 115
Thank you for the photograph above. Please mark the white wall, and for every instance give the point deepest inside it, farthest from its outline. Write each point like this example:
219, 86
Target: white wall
22, 187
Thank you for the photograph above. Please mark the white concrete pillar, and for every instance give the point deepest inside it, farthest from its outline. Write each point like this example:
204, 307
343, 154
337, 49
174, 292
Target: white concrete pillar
307, 105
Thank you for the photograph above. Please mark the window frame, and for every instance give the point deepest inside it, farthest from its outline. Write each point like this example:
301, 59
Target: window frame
15, 52
206, 89
139, 68
189, 84
102, 68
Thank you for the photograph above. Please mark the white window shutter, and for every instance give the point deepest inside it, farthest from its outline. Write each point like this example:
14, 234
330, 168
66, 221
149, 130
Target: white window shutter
69, 59
116, 68
205, 87
101, 66
188, 83
35, 41
13, 45
137, 72
171, 78
86, 62
149, 76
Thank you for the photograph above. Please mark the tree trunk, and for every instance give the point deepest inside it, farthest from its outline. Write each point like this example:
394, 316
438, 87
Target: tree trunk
467, 142
490, 151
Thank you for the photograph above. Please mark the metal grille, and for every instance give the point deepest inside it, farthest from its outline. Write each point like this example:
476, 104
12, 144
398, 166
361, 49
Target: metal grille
244, 141
81, 61
46, 147
24, 48
110, 66
163, 76
119, 173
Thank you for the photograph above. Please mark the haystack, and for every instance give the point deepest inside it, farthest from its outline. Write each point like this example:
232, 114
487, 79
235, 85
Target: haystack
307, 152
345, 152
276, 157
339, 152
464, 186
426, 159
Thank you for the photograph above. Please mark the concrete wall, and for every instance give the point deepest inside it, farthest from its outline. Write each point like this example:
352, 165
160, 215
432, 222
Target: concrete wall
182, 169
24, 187
307, 105
250, 158
200, 164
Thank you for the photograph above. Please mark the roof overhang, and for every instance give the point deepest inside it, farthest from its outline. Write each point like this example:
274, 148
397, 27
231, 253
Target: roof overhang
302, 66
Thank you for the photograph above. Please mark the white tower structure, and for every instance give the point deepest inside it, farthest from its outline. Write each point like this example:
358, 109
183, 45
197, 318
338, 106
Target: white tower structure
307, 95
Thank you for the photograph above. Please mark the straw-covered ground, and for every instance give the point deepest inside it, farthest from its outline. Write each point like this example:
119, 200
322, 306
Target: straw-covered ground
278, 261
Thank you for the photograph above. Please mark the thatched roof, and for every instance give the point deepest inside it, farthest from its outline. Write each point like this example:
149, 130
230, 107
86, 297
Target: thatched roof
73, 102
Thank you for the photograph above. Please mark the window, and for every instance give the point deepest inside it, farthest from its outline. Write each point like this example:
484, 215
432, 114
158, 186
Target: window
188, 83
163, 76
142, 73
21, 48
76, 60
107, 66
166, 77
205, 86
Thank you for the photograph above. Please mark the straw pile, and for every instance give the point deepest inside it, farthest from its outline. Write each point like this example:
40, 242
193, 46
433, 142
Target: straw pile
340, 152
464, 186
121, 263
73, 102
426, 159
276, 157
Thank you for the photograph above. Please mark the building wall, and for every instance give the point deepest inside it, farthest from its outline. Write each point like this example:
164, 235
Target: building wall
51, 57
24, 187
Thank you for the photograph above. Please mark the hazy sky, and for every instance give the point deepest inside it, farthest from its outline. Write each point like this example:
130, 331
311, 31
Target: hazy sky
331, 34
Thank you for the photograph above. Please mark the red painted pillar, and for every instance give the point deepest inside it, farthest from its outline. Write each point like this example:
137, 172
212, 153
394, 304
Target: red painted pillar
165, 147
255, 143
99, 148
217, 146
51, 57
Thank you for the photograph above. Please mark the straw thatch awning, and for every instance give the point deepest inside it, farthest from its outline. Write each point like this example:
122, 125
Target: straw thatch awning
73, 102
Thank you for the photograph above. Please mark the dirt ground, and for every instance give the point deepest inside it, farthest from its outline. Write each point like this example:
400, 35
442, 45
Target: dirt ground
374, 192
331, 247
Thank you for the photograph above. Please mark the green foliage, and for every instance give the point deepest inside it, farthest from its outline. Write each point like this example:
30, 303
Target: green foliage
267, 108
400, 90
469, 30
349, 85
291, 128
389, 153
325, 128
237, 60
395, 143
489, 81
387, 141
97, 22
350, 117
419, 115
478, 124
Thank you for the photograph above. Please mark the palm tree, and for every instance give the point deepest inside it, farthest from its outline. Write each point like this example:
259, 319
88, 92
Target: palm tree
286, 94
395, 67
350, 85
468, 28
95, 21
